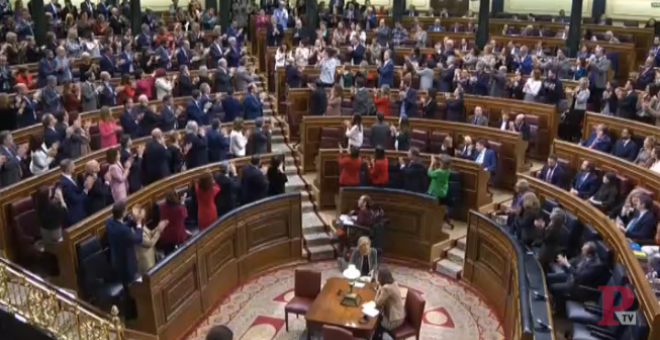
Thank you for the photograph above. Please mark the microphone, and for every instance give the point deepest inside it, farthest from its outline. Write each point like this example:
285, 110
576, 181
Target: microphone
540, 296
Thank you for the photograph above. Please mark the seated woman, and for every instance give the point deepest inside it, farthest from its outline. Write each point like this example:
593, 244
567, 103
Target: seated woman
389, 302
368, 213
364, 257
605, 198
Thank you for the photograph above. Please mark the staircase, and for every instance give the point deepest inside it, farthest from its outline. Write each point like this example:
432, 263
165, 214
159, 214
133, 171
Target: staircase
317, 244
452, 264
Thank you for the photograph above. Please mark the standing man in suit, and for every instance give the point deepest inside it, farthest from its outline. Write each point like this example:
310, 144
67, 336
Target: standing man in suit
643, 223
447, 76
75, 196
455, 107
232, 107
260, 137
552, 172
356, 51
168, 117
486, 157
431, 104
228, 181
318, 100
385, 70
498, 83
88, 94
362, 100
478, 117
252, 105
108, 96
598, 67
99, 195
627, 102
10, 160
586, 182
195, 108
196, 145
50, 99
254, 184
218, 142
128, 119
380, 132
25, 107
184, 54
415, 177
407, 100
156, 158
223, 77
244, 76
625, 147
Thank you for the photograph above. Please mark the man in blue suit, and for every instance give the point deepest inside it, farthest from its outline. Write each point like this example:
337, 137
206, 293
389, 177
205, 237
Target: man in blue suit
122, 239
552, 172
252, 106
126, 60
254, 184
75, 196
129, 122
486, 157
107, 94
625, 147
107, 62
163, 56
47, 68
642, 225
217, 141
51, 101
522, 127
414, 173
143, 39
386, 70
446, 77
598, 140
524, 62
586, 182
408, 100
194, 108
184, 54
356, 51
232, 107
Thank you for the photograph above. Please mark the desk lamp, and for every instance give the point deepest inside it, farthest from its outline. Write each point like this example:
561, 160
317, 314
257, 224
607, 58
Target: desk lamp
351, 299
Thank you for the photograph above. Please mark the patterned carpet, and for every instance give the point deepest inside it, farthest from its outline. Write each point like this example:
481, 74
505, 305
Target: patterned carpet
255, 311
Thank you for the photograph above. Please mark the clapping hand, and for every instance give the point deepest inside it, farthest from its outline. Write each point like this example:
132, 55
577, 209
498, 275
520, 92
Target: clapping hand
89, 183
162, 225
561, 259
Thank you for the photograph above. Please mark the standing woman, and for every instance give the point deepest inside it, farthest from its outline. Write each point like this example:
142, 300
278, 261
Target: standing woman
401, 135
276, 177
174, 211
532, 86
41, 156
382, 100
51, 210
524, 224
334, 103
238, 139
578, 107
118, 174
354, 131
379, 168
108, 128
205, 191
389, 302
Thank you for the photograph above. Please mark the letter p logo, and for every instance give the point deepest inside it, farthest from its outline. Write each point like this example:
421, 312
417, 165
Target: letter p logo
608, 299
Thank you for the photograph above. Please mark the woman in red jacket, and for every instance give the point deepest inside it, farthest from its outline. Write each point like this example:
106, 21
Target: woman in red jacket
350, 167
378, 168
205, 190
174, 211
382, 100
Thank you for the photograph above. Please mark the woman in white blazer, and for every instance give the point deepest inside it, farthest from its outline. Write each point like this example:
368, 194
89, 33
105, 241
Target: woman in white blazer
580, 96
164, 86
354, 131
41, 157
237, 139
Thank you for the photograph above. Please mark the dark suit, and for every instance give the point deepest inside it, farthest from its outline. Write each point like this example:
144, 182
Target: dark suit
409, 103
357, 54
108, 96
447, 80
523, 226
625, 149
225, 200
252, 107
122, 240
218, 146
586, 184
98, 197
232, 108
628, 106
642, 228
75, 198
156, 162
260, 140
380, 135
550, 243
386, 74
198, 154
272, 38
168, 119
293, 76
318, 102
455, 111
10, 172
195, 111
415, 177
554, 176
523, 129
254, 185
489, 160
604, 144
430, 108
51, 136
129, 124
148, 122
223, 81
186, 85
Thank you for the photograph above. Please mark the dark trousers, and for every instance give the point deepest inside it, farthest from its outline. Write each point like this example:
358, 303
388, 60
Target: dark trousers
571, 128
596, 97
561, 286
380, 331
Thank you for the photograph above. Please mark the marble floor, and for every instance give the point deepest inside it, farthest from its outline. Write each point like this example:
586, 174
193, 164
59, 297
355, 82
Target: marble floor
255, 311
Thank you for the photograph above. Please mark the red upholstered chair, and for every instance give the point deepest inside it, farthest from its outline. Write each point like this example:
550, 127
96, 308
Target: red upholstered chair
307, 286
336, 333
412, 326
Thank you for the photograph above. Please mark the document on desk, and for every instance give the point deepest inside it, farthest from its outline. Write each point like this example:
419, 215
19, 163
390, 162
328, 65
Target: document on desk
346, 219
369, 309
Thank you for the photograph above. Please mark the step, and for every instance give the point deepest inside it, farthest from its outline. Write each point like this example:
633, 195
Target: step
461, 243
289, 161
291, 171
456, 255
307, 206
321, 252
310, 220
280, 148
294, 184
449, 268
316, 239
277, 137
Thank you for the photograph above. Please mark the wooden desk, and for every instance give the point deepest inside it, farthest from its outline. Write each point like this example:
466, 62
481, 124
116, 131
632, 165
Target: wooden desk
328, 310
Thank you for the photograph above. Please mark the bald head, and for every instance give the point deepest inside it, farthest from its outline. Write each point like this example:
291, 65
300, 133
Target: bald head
143, 99
92, 167
156, 134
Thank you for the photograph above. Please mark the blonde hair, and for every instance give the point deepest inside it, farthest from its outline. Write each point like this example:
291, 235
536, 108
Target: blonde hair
530, 201
364, 245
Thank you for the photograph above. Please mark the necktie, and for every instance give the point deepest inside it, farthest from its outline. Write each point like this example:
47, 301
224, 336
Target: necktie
548, 176
593, 144
475, 120
633, 223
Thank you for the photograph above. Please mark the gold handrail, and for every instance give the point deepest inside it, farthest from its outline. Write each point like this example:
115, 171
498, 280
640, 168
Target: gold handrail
54, 310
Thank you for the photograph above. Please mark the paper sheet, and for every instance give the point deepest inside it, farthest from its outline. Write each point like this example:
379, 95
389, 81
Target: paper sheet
346, 219
369, 305
359, 285
370, 312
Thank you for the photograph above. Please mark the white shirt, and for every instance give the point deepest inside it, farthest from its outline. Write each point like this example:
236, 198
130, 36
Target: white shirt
163, 88
504, 126
362, 38
280, 58
237, 143
328, 67
355, 136
656, 167
40, 161
533, 85
480, 158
